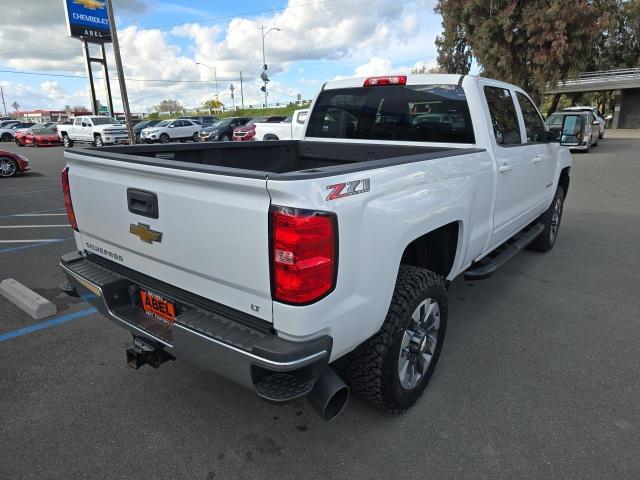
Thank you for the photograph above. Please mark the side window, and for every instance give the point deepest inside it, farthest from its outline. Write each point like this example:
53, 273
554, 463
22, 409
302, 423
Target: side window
77, 121
533, 124
504, 118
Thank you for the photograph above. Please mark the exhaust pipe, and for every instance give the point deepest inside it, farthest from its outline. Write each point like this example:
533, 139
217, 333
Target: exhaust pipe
329, 395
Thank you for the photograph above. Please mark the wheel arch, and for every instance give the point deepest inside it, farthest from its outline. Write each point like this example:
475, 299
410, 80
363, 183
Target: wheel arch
435, 250
565, 179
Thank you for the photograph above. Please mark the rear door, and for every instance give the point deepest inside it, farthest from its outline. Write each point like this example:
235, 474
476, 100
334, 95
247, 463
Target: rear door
211, 231
514, 191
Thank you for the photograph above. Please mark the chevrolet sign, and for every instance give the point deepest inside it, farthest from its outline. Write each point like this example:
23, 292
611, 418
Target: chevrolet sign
87, 20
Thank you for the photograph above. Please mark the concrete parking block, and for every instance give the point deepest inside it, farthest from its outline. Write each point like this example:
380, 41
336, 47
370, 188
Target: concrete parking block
27, 300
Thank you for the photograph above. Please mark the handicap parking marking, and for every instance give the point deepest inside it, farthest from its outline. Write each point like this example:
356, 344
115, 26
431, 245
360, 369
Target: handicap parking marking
46, 324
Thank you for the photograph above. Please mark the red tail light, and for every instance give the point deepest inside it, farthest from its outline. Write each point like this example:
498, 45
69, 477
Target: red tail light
388, 80
67, 198
304, 248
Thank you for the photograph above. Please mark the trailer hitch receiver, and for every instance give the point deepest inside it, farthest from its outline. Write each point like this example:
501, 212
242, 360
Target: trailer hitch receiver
143, 352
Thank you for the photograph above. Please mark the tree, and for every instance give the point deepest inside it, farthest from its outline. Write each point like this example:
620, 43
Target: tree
213, 103
530, 43
454, 51
169, 106
80, 109
619, 46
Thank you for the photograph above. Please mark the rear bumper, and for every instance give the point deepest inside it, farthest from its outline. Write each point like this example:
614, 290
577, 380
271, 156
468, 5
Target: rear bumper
210, 339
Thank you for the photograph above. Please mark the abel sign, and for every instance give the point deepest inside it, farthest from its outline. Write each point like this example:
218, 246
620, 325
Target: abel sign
87, 20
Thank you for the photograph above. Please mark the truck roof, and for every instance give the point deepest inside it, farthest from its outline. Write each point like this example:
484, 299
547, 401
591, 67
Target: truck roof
416, 79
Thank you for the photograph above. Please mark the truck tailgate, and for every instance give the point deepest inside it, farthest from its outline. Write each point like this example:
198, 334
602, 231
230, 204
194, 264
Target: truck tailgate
214, 228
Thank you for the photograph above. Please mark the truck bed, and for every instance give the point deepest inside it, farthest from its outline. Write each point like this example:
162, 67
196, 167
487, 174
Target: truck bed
284, 160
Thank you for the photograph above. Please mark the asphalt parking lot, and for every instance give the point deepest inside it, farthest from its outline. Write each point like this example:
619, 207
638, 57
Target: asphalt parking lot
539, 376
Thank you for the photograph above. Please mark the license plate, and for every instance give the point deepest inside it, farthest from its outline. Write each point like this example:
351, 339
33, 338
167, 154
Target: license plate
158, 307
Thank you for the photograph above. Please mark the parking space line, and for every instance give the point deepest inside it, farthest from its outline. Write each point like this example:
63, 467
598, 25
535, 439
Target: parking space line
25, 247
40, 215
32, 191
37, 211
32, 241
46, 324
35, 226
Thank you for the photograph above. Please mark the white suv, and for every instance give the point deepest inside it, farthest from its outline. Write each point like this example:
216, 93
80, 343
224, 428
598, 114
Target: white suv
168, 130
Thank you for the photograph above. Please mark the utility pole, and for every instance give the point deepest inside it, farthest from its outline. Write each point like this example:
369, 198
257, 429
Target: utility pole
4, 105
92, 88
241, 91
119, 69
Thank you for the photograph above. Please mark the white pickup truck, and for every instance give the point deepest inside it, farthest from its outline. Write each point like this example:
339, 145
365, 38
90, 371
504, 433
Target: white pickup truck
271, 263
291, 129
96, 130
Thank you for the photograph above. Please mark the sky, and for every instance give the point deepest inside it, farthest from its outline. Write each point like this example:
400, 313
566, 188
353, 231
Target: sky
161, 41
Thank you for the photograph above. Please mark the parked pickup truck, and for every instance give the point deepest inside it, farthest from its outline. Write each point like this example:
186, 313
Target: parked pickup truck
314, 267
291, 129
96, 130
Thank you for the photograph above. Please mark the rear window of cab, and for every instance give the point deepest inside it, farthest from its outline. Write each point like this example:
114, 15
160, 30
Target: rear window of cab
415, 113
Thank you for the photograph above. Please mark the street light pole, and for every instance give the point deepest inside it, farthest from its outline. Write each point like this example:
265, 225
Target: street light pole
264, 61
215, 76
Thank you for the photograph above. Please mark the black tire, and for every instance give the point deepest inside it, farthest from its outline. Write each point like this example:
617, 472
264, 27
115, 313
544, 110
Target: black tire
164, 138
225, 138
372, 369
547, 239
18, 142
6, 137
8, 167
66, 141
601, 134
195, 137
97, 141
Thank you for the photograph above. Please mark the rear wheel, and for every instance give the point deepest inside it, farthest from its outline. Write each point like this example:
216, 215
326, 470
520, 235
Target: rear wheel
8, 167
6, 137
392, 368
551, 221
225, 138
164, 138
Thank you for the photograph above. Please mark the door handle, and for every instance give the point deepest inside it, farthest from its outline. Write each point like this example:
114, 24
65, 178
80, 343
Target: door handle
537, 159
505, 167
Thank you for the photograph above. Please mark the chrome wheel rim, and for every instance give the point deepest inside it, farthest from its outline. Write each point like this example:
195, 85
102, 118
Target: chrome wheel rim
7, 167
418, 344
555, 218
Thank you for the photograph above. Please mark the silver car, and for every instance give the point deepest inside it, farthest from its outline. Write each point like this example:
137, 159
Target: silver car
584, 129
596, 113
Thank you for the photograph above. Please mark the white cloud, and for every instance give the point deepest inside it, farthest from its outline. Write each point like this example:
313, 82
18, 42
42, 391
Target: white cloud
374, 36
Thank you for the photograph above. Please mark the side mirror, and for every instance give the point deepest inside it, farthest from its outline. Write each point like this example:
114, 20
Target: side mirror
571, 130
171, 126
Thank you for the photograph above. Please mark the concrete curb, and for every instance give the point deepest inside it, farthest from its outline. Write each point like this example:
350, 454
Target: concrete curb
27, 300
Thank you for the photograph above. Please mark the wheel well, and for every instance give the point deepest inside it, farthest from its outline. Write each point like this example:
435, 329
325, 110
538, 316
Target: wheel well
435, 251
96, 134
564, 180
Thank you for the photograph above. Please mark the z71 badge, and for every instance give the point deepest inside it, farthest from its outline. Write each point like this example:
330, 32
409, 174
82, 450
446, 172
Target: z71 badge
347, 189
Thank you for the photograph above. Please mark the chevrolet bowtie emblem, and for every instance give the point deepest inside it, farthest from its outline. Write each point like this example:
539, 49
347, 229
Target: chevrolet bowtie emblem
90, 4
145, 233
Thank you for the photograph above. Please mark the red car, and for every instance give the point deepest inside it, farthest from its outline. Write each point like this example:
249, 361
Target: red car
12, 164
37, 137
248, 131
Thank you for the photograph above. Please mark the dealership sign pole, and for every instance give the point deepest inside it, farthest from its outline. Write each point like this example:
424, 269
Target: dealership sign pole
123, 86
87, 21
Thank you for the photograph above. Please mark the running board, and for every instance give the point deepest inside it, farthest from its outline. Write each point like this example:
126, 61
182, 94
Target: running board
501, 255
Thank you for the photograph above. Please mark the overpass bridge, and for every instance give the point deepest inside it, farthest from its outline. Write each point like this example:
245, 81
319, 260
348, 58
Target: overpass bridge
625, 84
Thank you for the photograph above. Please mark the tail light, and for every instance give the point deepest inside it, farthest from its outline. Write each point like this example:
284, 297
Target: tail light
304, 249
388, 80
67, 198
